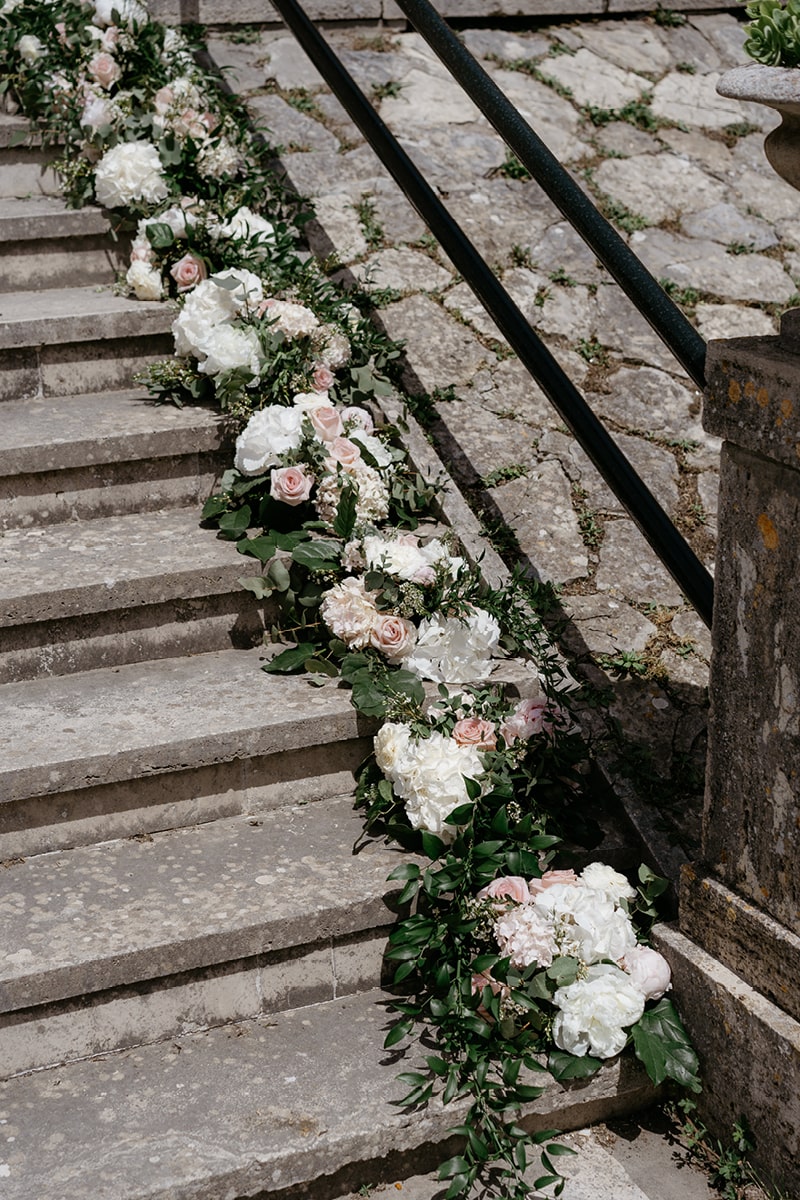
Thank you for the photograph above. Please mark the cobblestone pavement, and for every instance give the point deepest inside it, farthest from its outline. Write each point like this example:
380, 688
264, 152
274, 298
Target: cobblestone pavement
630, 106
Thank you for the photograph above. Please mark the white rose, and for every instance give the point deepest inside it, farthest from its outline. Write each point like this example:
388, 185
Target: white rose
391, 747
605, 879
145, 281
243, 287
205, 307
30, 48
649, 971
127, 172
310, 401
269, 433
373, 445
98, 111
596, 1011
249, 226
227, 348
129, 10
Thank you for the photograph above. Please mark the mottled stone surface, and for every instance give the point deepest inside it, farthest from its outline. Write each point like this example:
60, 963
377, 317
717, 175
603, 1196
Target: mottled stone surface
251, 1107
749, 1055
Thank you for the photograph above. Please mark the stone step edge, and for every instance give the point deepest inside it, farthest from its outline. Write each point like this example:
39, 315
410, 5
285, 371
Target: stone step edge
287, 715
59, 322
48, 220
258, 1107
205, 566
74, 448
325, 891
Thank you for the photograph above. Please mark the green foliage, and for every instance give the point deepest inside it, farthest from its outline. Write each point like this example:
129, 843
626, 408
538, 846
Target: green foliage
512, 168
667, 18
773, 34
662, 1045
636, 112
625, 662
368, 219
504, 474
391, 88
560, 276
687, 297
592, 351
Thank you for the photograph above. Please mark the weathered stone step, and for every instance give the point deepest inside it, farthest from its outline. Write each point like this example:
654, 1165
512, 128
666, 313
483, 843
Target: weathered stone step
293, 1105
157, 745
105, 454
121, 589
187, 929
24, 167
69, 341
44, 244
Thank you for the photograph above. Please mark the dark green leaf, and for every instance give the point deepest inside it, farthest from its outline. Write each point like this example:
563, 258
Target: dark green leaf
345, 519
262, 548
289, 660
159, 234
321, 666
316, 555
397, 1033
453, 1166
568, 1066
663, 1045
233, 524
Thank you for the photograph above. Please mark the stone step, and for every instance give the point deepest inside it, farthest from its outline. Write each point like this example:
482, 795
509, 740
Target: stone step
157, 745
105, 454
294, 1105
69, 341
44, 244
187, 929
122, 589
24, 165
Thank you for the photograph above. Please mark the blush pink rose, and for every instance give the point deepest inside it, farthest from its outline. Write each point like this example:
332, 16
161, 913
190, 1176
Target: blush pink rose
344, 451
474, 731
163, 99
61, 30
393, 636
360, 416
188, 272
210, 121
528, 718
327, 423
104, 69
290, 485
322, 379
508, 887
549, 879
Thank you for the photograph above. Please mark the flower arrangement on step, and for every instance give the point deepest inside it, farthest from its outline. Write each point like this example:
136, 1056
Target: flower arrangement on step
509, 967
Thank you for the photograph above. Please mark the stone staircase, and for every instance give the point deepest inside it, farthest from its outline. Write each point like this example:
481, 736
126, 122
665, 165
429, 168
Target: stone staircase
190, 984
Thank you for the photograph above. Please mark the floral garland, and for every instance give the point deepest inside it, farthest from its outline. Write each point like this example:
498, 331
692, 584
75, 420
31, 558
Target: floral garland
513, 967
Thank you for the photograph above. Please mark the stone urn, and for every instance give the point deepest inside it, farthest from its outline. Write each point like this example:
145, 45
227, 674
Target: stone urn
778, 87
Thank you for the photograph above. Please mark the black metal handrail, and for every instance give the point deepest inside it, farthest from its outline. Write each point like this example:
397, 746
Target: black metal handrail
616, 256
642, 506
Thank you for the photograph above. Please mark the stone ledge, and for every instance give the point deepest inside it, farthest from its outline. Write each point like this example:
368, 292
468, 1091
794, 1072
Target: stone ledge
69, 315
750, 942
750, 1062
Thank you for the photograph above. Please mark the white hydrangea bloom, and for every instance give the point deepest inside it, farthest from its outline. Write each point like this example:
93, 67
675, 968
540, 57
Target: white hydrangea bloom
526, 936
129, 10
145, 281
450, 650
217, 158
292, 320
270, 433
127, 172
227, 348
588, 925
430, 781
605, 879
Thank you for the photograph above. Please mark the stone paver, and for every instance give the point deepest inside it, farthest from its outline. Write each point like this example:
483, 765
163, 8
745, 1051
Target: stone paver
631, 107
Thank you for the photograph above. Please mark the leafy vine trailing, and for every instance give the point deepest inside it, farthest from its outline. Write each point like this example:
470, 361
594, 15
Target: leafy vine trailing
507, 970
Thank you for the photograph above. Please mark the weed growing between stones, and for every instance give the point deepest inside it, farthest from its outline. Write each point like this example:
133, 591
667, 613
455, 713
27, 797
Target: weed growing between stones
728, 1164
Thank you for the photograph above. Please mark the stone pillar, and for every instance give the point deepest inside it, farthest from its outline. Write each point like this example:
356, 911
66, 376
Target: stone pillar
737, 951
